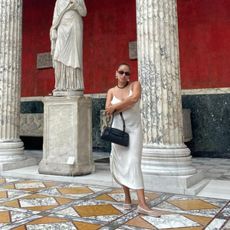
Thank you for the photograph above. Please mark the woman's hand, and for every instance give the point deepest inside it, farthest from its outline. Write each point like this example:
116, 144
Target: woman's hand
110, 110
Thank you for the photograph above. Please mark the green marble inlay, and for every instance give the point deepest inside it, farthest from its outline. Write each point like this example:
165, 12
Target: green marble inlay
210, 117
32, 107
98, 143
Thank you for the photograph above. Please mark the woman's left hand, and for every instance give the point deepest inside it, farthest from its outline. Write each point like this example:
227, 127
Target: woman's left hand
110, 110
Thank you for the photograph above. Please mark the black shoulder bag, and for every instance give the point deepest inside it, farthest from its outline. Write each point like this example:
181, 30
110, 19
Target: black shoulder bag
114, 135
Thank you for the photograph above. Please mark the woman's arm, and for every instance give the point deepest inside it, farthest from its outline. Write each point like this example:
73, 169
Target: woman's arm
109, 98
128, 102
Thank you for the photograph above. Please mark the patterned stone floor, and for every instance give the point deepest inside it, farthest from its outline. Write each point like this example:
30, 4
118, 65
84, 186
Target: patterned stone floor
36, 205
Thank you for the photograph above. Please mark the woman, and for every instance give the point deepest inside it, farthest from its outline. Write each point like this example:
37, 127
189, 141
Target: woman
126, 161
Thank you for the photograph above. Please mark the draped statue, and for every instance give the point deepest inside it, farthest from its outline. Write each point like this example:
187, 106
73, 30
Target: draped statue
66, 35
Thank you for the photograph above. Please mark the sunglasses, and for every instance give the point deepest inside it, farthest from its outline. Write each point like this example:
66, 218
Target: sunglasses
121, 72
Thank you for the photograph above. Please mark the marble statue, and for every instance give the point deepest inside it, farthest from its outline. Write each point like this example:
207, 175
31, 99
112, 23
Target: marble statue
66, 35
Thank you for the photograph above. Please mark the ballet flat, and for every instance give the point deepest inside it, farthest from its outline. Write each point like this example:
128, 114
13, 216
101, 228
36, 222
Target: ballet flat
153, 213
127, 206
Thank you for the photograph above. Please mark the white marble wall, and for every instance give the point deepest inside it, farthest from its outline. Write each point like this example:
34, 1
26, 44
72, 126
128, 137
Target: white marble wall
11, 147
158, 65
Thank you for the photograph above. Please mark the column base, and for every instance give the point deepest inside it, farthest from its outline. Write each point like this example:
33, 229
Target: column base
67, 140
190, 185
167, 161
26, 162
12, 156
11, 151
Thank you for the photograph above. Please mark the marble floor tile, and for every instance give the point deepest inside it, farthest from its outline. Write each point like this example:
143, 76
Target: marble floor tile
225, 212
97, 211
193, 205
73, 191
38, 205
29, 185
175, 221
171, 221
54, 223
168, 221
140, 223
6, 195
215, 224
227, 225
9, 216
7, 180
37, 202
117, 195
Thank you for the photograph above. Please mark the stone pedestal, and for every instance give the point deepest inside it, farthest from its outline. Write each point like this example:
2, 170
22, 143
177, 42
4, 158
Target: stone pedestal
67, 147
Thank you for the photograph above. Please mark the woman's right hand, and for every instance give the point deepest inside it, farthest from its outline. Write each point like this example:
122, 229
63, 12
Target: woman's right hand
110, 110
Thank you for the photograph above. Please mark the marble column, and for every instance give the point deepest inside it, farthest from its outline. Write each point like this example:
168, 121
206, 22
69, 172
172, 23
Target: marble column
11, 147
164, 152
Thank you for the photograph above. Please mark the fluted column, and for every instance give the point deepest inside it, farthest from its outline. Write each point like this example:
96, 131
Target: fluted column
11, 147
164, 152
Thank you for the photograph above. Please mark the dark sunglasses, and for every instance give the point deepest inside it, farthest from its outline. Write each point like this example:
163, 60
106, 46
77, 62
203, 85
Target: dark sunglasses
121, 72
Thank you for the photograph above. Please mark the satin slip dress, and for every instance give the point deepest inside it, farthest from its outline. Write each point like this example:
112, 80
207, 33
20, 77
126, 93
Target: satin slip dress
125, 162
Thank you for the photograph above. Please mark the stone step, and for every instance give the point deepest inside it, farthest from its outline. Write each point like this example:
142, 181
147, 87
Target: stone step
195, 189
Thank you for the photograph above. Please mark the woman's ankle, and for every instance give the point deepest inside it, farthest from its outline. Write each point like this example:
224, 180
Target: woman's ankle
128, 201
144, 206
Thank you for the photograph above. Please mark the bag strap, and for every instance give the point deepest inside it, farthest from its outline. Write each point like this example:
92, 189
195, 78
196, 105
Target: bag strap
122, 118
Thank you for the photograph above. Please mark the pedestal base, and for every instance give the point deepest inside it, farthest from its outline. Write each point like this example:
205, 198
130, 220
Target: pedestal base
67, 147
64, 169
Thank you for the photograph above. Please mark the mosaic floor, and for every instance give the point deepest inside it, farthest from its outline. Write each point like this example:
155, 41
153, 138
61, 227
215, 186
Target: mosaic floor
36, 205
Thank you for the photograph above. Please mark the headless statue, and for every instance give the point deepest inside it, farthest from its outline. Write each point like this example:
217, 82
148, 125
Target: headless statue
66, 35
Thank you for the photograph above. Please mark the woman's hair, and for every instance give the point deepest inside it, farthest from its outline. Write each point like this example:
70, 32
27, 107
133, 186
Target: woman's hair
123, 63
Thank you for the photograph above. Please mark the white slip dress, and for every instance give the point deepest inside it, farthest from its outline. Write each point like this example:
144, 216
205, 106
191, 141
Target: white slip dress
125, 162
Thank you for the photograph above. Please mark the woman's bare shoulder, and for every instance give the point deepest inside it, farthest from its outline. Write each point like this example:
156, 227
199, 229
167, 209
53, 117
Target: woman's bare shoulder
135, 84
111, 91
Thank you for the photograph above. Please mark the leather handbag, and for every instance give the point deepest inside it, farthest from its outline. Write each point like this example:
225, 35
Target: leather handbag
114, 135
